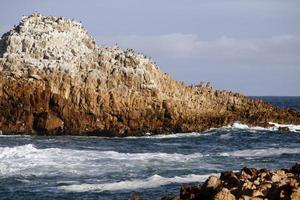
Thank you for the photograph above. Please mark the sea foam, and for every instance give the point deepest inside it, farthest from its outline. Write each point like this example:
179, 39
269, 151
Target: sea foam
29, 160
211, 131
268, 152
274, 127
151, 182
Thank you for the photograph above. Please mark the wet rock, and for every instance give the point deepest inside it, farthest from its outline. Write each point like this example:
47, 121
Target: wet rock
295, 169
283, 128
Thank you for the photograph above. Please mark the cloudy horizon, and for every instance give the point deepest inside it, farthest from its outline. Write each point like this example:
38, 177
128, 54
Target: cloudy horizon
252, 47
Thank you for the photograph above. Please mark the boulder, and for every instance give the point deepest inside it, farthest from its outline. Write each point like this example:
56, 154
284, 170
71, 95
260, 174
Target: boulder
255, 185
224, 194
283, 128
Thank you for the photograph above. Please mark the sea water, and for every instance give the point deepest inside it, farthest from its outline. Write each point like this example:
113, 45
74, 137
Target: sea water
34, 167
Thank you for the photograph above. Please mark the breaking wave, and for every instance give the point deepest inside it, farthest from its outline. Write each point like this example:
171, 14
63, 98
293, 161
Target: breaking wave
151, 182
236, 125
29, 159
274, 127
262, 152
175, 135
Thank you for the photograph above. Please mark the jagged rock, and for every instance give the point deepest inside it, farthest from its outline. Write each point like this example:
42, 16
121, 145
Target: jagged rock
250, 171
190, 192
212, 182
248, 184
224, 194
51, 65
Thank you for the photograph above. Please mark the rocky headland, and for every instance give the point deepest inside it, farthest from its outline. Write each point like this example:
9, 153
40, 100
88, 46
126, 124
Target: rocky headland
56, 80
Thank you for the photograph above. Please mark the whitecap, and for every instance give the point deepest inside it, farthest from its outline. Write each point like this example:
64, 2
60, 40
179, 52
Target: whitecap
292, 127
167, 136
226, 136
151, 182
29, 160
274, 127
268, 152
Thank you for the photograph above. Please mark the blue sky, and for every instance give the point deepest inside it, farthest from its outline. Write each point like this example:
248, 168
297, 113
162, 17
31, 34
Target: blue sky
248, 46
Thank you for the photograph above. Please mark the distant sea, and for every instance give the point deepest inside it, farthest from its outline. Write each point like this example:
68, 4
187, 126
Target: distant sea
34, 167
283, 102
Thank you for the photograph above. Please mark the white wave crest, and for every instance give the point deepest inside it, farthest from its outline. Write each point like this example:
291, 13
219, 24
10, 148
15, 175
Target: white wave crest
261, 152
28, 159
151, 182
175, 135
274, 127
292, 127
226, 136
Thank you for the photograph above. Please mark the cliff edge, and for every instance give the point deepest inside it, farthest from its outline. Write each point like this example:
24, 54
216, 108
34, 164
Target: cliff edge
56, 80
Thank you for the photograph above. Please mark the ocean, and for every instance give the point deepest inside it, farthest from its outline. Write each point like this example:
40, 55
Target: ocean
35, 167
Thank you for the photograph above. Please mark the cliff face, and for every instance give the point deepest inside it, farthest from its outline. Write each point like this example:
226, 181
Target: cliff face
56, 80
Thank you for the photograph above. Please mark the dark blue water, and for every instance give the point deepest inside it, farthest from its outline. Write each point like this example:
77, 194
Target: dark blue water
283, 102
115, 168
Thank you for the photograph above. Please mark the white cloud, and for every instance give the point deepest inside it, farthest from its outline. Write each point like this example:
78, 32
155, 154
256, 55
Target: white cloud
276, 50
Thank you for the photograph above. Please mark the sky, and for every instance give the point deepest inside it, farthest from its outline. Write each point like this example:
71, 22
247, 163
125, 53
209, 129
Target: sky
246, 46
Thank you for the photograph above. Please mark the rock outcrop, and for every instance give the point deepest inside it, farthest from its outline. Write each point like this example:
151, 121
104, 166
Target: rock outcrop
248, 184
56, 80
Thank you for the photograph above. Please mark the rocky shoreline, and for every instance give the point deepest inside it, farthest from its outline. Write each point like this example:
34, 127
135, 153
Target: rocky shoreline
55, 80
247, 184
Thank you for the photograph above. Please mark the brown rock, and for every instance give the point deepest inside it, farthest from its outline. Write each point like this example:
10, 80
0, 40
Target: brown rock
250, 171
190, 192
295, 194
136, 197
46, 122
257, 193
271, 185
230, 179
224, 194
66, 84
212, 182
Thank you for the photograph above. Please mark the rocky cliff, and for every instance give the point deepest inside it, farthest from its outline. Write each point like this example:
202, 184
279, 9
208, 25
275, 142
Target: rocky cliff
56, 80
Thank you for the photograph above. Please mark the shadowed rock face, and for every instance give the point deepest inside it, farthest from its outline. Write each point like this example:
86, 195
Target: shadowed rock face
56, 80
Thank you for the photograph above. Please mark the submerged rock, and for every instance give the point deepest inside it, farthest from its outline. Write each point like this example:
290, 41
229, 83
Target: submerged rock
56, 80
283, 128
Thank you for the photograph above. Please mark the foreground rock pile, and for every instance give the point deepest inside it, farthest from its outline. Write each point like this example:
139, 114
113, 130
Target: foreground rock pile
248, 184
54, 79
